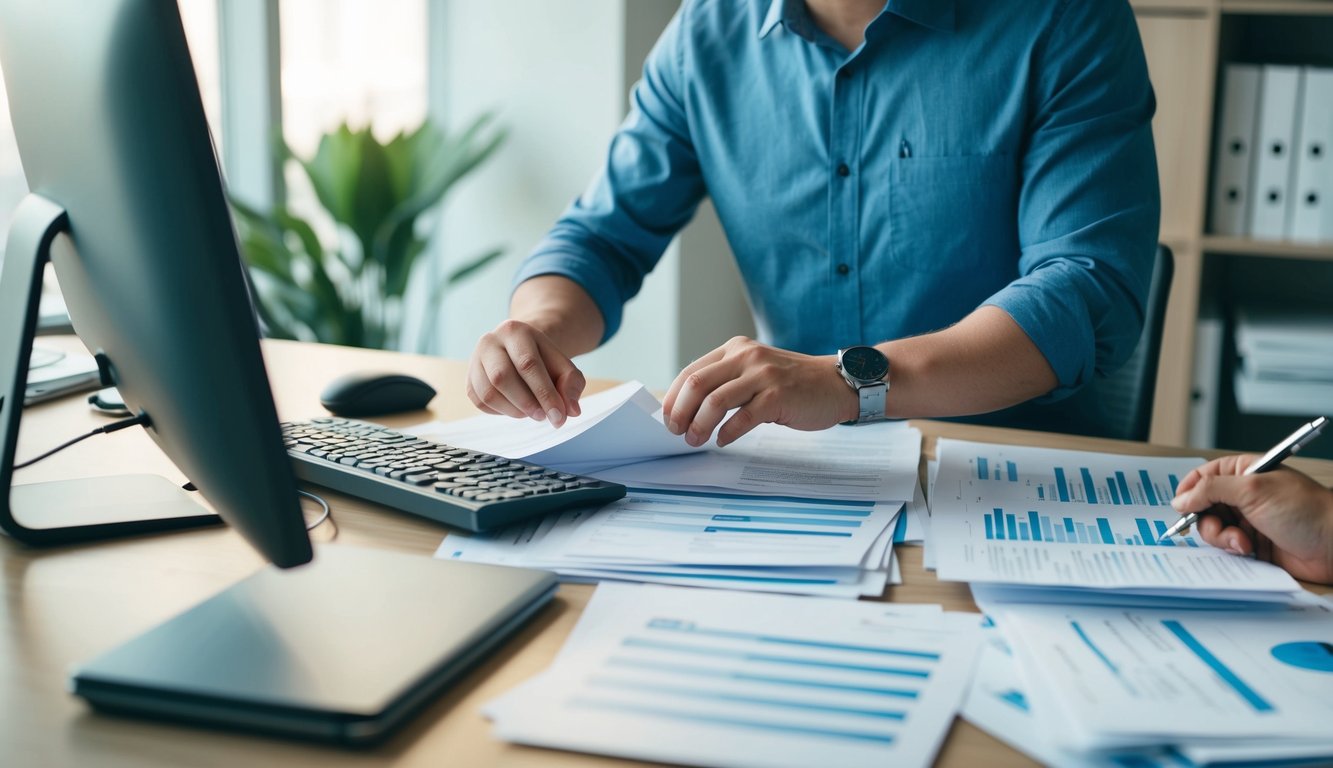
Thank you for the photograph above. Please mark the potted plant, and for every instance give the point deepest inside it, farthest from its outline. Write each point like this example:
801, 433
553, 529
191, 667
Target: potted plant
351, 292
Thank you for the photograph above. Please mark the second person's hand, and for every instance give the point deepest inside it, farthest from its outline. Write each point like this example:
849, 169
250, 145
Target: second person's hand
516, 370
1282, 516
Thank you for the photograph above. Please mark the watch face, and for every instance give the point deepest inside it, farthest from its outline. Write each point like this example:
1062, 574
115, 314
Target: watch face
864, 363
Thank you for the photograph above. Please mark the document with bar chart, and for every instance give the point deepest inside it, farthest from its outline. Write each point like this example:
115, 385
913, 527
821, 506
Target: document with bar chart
1016, 515
710, 678
1108, 677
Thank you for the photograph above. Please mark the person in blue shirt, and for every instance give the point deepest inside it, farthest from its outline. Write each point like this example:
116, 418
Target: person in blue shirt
968, 185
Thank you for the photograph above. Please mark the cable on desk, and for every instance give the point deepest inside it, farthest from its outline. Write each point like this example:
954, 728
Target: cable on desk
115, 426
327, 515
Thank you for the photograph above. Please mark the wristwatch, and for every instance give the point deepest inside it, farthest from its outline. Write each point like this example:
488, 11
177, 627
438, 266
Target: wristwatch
866, 370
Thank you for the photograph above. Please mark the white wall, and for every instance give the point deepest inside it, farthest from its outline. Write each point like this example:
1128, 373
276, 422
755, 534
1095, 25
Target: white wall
560, 74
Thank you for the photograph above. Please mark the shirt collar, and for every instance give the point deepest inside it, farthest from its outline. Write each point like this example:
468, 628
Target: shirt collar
935, 14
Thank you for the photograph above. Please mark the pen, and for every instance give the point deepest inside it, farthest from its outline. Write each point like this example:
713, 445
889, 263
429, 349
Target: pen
1294, 443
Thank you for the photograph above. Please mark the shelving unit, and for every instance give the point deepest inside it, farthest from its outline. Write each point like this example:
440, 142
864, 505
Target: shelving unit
1187, 43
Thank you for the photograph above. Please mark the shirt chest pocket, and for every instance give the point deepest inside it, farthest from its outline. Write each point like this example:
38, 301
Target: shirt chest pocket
952, 213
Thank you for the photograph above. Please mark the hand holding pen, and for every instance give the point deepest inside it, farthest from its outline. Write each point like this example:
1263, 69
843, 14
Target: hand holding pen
1283, 517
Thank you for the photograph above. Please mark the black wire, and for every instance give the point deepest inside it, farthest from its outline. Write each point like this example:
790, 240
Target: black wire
142, 419
114, 426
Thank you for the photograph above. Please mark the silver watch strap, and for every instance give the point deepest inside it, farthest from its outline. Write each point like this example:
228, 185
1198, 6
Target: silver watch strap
871, 398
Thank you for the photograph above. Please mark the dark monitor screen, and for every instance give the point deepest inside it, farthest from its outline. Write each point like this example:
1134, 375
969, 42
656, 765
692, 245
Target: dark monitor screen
110, 127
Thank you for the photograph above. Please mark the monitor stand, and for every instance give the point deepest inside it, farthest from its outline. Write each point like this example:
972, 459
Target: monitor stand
68, 510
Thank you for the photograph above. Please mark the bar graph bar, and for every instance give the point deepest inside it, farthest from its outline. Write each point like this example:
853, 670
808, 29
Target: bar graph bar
1036, 527
1068, 478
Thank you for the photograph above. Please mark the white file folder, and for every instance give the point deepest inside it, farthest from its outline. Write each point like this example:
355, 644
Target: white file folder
1279, 101
1234, 150
1312, 198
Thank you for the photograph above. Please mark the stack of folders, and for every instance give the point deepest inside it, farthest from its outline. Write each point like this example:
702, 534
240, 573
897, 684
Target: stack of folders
1286, 361
1108, 646
812, 513
1273, 173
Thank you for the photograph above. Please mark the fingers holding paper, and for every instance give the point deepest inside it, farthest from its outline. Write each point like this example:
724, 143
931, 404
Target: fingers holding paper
761, 384
516, 370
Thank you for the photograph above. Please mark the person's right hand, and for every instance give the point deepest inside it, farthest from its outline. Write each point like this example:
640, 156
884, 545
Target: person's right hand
518, 371
1283, 516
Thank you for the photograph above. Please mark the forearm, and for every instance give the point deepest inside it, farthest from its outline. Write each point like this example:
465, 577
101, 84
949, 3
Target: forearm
983, 363
561, 309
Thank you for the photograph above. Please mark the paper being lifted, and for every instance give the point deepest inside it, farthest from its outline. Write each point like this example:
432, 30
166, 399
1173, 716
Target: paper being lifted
620, 437
619, 426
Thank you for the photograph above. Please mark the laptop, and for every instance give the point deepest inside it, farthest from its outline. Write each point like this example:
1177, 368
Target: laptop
343, 650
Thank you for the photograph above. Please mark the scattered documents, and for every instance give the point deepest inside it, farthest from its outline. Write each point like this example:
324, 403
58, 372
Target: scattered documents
1035, 516
730, 679
997, 703
1103, 677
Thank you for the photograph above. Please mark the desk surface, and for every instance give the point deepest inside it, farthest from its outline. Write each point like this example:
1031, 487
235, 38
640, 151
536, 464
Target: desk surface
64, 605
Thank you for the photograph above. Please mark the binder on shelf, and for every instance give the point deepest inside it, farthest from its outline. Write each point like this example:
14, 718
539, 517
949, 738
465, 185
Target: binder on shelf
1234, 150
1208, 340
1312, 195
1279, 100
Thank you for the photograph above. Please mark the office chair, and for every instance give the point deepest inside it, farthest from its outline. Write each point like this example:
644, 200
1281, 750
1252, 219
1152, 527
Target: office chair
1127, 395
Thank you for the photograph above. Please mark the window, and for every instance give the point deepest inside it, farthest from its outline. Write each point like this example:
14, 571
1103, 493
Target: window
12, 184
348, 61
200, 19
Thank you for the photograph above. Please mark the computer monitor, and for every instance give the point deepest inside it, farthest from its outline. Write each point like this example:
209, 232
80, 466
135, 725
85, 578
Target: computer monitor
128, 204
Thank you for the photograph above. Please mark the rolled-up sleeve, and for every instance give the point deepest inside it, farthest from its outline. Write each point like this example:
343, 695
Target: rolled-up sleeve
1089, 207
647, 190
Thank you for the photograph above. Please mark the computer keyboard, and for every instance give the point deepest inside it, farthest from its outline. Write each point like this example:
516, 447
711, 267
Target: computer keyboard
459, 487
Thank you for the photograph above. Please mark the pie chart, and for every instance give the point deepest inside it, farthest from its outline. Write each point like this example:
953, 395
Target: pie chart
1312, 655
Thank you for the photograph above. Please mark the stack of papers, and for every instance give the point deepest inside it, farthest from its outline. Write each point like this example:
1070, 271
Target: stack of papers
1154, 686
729, 679
1044, 518
717, 540
1286, 361
778, 510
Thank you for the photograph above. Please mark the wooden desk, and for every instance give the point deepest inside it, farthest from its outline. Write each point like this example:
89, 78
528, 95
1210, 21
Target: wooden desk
64, 605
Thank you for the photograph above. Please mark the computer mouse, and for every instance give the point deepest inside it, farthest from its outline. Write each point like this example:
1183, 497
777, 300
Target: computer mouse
375, 393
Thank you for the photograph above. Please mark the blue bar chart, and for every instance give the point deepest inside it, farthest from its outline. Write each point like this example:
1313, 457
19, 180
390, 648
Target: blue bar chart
1103, 480
1030, 525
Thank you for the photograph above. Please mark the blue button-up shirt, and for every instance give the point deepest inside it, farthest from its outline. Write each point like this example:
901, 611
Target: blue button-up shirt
968, 153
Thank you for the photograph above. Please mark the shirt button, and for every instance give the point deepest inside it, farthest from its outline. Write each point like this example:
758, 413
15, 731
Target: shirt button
843, 170
844, 74
843, 269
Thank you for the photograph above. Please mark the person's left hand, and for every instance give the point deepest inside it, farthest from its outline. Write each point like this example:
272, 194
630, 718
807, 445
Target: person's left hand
767, 385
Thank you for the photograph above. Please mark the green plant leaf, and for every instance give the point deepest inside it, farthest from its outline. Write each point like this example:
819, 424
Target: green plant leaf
465, 271
444, 166
333, 172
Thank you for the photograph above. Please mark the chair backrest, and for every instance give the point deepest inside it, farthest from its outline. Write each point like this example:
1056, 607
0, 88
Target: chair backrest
1127, 395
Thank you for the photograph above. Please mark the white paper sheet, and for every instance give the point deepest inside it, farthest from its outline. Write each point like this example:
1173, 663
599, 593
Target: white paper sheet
1115, 677
997, 703
870, 461
731, 679
618, 426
